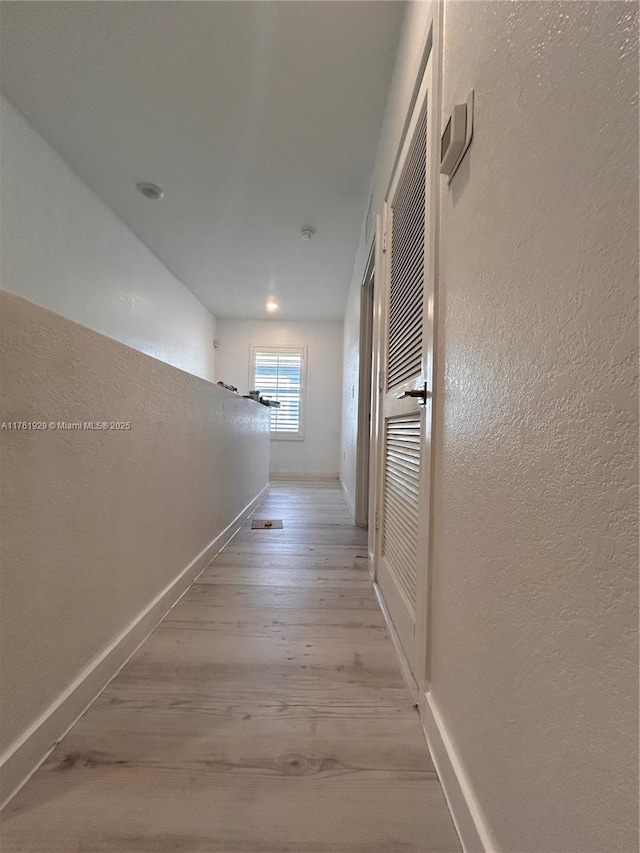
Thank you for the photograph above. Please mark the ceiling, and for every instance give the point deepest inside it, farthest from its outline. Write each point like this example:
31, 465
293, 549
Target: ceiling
256, 118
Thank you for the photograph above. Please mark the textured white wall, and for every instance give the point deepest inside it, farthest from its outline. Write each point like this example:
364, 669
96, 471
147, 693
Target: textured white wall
534, 596
318, 453
534, 664
95, 524
63, 248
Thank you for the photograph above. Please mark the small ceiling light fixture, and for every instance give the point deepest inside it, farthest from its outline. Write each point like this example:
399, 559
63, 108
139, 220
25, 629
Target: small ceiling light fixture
150, 191
307, 233
272, 305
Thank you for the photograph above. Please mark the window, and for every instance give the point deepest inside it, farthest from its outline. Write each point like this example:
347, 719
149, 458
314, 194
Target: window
278, 373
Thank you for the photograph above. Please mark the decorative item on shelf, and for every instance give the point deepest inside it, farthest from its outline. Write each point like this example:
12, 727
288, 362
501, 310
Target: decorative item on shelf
275, 404
228, 387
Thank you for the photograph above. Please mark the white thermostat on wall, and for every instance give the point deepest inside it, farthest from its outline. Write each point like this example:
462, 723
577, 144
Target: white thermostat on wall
456, 137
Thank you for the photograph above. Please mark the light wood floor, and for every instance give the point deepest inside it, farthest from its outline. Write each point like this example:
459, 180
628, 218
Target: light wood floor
266, 713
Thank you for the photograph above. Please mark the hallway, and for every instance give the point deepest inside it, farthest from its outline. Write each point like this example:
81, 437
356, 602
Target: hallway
266, 713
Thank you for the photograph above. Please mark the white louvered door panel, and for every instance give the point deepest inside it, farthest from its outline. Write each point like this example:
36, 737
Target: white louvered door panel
401, 494
407, 267
400, 555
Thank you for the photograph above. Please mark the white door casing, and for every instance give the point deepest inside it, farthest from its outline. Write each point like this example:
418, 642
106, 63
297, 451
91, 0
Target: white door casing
405, 341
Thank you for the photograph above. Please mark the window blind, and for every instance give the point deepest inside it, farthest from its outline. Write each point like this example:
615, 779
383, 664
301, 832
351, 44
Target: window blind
278, 375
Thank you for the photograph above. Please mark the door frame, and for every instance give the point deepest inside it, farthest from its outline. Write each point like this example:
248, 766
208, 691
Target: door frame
376, 386
365, 389
431, 53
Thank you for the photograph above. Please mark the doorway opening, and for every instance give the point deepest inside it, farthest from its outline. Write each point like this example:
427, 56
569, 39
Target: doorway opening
365, 385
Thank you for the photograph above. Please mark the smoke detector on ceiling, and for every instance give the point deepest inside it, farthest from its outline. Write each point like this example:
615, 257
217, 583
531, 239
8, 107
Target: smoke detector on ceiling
149, 190
307, 233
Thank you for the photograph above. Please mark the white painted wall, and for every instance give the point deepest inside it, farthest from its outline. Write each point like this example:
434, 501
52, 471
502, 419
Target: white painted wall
411, 42
534, 587
350, 388
63, 248
102, 531
318, 453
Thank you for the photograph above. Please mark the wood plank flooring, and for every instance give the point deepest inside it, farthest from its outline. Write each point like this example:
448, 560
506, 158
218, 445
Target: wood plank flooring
265, 714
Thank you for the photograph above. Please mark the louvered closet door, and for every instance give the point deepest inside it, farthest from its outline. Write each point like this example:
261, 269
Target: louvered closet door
405, 405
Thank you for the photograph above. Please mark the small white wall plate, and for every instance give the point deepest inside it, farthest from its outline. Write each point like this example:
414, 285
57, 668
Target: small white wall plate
453, 139
459, 131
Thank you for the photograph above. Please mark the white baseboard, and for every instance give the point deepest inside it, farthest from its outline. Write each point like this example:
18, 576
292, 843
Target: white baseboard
294, 477
463, 805
348, 501
27, 753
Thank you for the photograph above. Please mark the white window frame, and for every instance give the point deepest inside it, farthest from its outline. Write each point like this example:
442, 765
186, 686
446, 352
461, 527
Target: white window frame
302, 351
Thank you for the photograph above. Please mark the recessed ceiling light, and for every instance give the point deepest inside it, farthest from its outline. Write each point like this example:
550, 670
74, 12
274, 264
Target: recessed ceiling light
307, 233
148, 190
272, 305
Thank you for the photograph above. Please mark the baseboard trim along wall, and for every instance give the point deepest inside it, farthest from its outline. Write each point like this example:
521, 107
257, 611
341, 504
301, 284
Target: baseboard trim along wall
347, 500
293, 477
465, 811
24, 756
